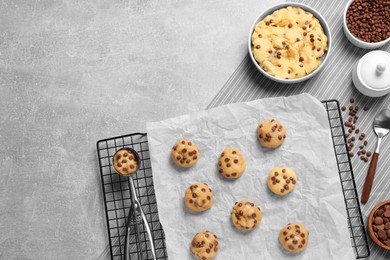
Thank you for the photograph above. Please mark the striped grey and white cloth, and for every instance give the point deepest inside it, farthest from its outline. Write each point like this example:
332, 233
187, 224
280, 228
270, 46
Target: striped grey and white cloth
333, 82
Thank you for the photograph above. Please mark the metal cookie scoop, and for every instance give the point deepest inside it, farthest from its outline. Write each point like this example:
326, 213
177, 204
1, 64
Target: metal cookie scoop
136, 210
382, 128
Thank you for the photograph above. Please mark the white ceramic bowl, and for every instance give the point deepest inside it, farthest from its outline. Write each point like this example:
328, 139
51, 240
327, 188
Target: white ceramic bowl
355, 41
324, 25
373, 75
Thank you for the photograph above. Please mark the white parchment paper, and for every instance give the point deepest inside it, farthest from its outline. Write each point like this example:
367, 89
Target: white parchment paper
317, 200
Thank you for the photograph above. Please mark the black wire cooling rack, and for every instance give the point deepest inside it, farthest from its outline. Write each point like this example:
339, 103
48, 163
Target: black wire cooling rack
117, 195
355, 220
117, 199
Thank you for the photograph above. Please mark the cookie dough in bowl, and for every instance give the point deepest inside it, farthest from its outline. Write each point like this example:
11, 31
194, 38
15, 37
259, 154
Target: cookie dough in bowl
205, 245
294, 237
198, 197
246, 215
185, 153
289, 43
231, 163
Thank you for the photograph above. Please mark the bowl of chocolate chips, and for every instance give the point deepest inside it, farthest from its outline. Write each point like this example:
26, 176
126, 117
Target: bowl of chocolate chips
366, 23
379, 224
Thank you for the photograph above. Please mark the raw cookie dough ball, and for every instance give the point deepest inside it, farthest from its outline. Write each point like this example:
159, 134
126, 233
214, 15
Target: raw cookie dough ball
198, 197
281, 180
271, 133
185, 153
125, 162
231, 163
204, 245
294, 237
246, 215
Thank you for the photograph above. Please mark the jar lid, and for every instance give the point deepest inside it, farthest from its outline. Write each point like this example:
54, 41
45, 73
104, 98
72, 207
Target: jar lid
374, 70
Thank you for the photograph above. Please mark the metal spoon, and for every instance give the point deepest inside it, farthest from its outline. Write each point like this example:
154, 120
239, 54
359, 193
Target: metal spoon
136, 209
381, 128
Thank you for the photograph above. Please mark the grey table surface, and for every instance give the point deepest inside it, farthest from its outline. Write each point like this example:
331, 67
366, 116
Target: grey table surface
74, 72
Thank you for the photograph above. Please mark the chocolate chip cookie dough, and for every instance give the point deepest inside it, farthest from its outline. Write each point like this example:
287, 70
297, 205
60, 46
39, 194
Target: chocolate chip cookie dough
125, 162
231, 163
294, 237
185, 153
282, 180
289, 43
198, 197
205, 245
271, 133
246, 215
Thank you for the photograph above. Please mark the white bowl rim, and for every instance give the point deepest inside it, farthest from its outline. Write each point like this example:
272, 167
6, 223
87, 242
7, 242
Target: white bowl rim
306, 8
371, 44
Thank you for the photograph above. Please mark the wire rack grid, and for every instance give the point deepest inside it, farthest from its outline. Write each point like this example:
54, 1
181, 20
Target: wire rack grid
355, 220
117, 196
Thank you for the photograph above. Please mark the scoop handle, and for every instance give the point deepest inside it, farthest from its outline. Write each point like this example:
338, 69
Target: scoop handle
370, 178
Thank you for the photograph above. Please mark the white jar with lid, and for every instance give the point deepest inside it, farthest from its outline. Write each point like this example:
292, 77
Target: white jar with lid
371, 75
